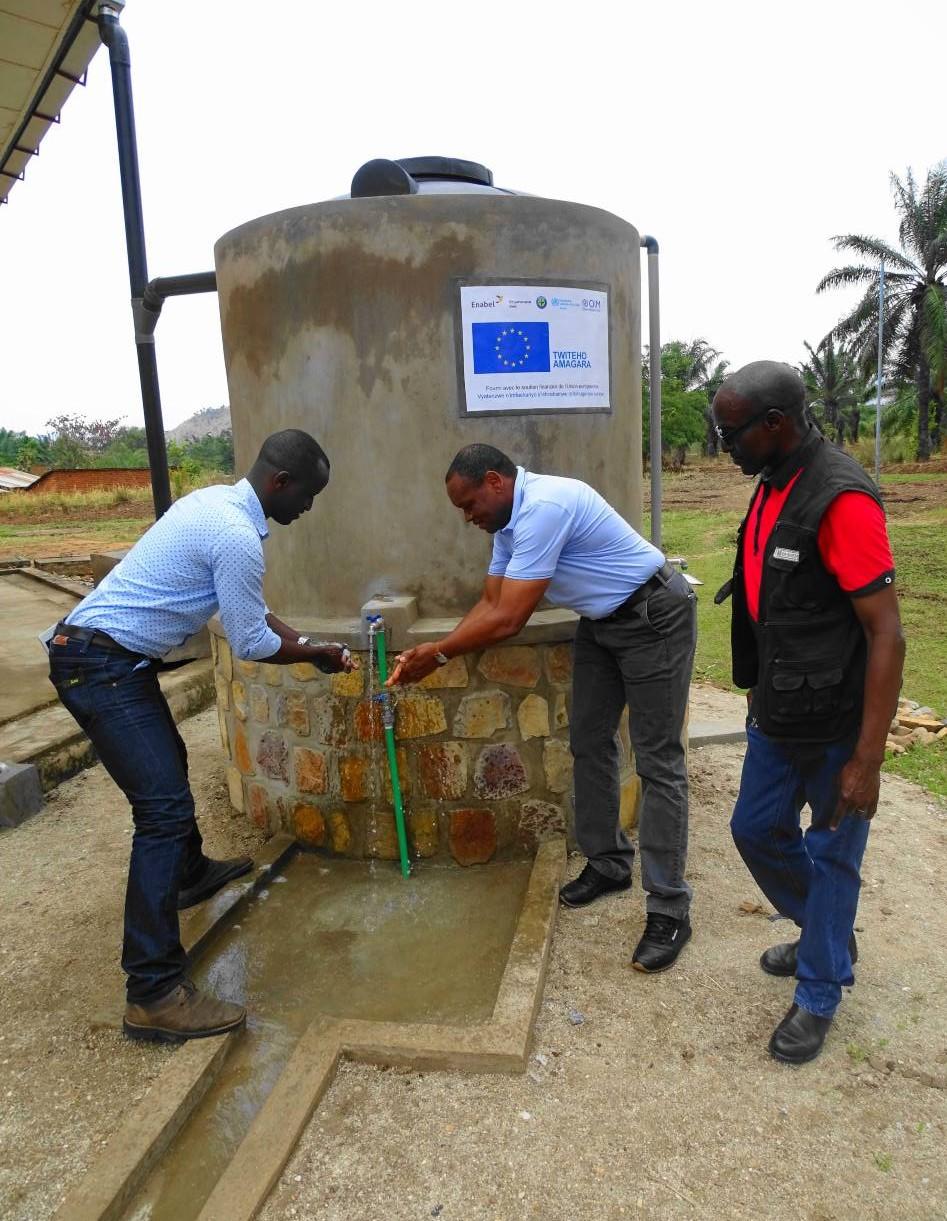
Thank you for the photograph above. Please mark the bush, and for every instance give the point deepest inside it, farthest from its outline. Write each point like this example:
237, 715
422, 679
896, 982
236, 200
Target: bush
894, 448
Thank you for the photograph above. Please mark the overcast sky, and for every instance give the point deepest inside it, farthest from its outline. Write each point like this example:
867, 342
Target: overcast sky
743, 136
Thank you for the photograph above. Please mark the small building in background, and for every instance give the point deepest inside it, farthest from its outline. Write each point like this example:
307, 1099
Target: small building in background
12, 480
90, 479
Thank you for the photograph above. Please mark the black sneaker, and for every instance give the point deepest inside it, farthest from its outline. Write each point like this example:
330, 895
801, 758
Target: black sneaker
589, 886
661, 942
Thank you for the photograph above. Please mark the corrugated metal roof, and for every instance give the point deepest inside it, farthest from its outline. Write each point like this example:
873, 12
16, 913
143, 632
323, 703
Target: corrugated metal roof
45, 49
11, 479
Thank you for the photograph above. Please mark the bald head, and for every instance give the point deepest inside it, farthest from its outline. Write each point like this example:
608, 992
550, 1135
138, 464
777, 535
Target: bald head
768, 383
760, 414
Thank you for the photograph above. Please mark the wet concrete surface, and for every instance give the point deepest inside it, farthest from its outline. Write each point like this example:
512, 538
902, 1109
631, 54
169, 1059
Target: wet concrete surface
27, 607
341, 939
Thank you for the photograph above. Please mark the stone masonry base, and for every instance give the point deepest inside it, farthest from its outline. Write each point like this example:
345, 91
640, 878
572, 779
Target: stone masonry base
483, 754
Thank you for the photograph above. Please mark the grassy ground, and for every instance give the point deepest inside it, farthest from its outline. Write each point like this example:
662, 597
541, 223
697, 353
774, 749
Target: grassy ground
36, 506
705, 536
36, 526
707, 542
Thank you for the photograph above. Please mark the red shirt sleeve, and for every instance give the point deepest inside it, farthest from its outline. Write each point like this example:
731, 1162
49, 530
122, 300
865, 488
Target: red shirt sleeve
853, 543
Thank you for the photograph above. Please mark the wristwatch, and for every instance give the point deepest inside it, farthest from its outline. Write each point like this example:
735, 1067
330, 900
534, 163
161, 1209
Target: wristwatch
441, 658
304, 640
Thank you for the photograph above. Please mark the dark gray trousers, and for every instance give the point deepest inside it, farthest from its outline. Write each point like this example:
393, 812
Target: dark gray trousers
643, 659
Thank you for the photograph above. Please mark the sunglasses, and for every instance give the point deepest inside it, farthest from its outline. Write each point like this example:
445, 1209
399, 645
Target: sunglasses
729, 435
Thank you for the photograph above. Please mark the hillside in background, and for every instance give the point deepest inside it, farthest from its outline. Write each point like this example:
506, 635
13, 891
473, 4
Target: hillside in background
210, 422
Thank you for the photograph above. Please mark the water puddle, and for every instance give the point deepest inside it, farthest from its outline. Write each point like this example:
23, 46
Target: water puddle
343, 939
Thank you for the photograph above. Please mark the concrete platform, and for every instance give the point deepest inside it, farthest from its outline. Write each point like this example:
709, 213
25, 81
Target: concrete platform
51, 739
21, 795
27, 607
716, 716
283, 1096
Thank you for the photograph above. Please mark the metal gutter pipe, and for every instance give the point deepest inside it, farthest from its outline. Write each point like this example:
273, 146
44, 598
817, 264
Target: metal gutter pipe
654, 352
148, 309
79, 18
114, 37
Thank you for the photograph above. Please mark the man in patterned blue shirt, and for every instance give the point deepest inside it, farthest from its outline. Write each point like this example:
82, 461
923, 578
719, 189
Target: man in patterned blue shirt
204, 556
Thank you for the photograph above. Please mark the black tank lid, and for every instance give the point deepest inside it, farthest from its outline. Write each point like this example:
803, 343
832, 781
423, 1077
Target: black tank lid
385, 177
447, 167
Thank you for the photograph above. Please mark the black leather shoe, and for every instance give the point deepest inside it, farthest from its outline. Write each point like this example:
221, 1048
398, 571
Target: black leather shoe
589, 886
799, 1036
661, 942
216, 874
781, 959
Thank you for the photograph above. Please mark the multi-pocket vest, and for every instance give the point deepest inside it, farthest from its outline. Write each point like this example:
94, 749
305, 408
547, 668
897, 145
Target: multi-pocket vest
805, 657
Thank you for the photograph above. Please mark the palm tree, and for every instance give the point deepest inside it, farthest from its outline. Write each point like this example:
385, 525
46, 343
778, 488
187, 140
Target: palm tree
833, 385
697, 366
915, 323
713, 380
689, 370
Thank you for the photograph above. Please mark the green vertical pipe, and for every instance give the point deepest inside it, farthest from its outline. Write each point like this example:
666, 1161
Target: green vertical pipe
392, 755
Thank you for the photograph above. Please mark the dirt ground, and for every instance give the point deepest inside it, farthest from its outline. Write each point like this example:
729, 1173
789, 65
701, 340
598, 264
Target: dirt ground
720, 487
647, 1097
95, 530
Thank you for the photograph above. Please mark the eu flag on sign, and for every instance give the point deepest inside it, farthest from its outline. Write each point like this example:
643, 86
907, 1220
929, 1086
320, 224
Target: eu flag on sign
511, 347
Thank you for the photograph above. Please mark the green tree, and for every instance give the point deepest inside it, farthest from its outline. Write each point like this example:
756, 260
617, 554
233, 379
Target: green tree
713, 380
128, 448
214, 453
29, 454
10, 443
834, 388
915, 323
77, 440
684, 400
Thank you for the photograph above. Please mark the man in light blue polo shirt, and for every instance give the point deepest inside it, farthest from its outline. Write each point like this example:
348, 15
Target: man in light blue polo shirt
634, 644
205, 555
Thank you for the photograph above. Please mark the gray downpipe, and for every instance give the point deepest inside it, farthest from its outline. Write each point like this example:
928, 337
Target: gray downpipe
654, 352
113, 36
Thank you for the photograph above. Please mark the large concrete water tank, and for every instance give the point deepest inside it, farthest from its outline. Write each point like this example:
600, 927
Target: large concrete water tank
427, 310
344, 318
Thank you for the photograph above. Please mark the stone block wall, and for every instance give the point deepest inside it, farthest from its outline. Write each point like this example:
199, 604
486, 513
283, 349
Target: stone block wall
482, 745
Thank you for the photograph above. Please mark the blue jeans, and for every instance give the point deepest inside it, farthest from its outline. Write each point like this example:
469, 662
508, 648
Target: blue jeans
120, 706
812, 877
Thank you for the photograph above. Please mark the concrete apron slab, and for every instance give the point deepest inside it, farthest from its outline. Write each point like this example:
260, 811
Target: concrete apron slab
201, 924
51, 739
149, 1129
499, 1044
151, 1126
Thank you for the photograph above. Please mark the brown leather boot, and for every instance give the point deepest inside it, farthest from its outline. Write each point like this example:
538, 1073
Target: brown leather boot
185, 1013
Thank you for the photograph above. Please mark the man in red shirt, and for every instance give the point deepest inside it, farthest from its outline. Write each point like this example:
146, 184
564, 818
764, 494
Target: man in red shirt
816, 637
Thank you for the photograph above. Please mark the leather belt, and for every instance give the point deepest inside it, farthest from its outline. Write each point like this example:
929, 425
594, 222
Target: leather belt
659, 581
89, 635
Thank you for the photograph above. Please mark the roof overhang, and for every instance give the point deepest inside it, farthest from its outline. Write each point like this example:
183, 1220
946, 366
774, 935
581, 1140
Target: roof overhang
45, 49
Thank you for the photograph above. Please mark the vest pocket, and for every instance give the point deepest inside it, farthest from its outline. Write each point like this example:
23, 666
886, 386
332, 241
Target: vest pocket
815, 692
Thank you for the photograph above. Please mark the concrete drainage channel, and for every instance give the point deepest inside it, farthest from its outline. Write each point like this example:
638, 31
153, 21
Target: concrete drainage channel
334, 959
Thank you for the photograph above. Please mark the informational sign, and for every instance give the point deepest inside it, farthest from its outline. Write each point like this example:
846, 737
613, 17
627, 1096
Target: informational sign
529, 347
